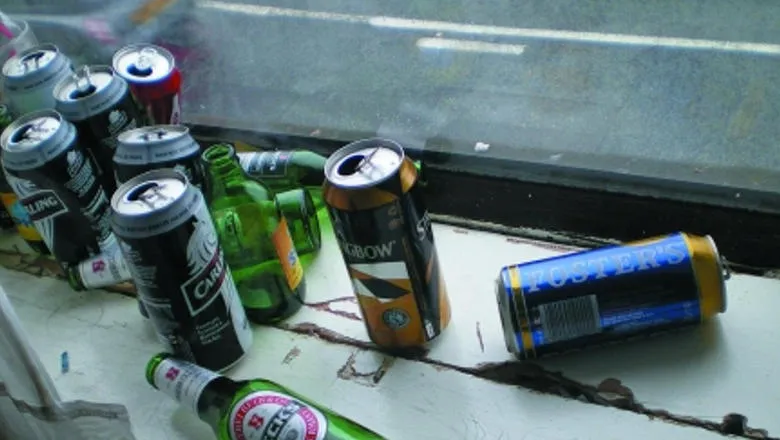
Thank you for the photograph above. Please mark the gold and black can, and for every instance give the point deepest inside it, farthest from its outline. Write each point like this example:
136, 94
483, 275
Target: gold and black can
610, 294
384, 231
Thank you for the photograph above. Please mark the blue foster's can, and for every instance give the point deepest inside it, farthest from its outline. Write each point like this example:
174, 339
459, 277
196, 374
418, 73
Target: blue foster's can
610, 294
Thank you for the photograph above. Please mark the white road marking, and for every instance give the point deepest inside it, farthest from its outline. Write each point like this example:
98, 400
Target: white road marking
501, 31
470, 46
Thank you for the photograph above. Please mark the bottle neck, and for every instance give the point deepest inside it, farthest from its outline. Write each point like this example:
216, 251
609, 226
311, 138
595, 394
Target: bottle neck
204, 392
223, 168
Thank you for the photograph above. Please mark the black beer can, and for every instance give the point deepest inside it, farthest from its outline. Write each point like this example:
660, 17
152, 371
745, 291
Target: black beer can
158, 146
168, 240
99, 103
56, 182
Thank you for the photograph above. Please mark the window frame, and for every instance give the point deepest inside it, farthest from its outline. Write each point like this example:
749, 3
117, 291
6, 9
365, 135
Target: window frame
561, 203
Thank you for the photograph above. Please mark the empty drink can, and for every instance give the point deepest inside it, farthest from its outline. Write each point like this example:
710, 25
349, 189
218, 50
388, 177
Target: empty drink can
30, 77
170, 245
55, 179
158, 146
99, 103
384, 231
610, 294
154, 80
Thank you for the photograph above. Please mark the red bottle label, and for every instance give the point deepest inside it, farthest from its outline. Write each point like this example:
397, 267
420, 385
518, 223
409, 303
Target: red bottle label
268, 415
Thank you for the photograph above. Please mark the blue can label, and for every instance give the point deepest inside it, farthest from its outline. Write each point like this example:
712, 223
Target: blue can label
605, 294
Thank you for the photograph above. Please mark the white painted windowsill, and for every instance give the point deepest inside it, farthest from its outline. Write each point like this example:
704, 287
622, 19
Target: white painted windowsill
729, 365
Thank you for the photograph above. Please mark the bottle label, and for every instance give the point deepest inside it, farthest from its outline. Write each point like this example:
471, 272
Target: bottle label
105, 269
266, 164
24, 223
266, 415
183, 381
288, 257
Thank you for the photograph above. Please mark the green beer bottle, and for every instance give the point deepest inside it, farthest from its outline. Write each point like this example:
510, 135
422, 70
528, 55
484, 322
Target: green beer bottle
255, 238
284, 170
298, 208
248, 409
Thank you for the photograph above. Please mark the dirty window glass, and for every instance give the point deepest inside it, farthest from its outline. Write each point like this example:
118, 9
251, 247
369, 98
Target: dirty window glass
681, 90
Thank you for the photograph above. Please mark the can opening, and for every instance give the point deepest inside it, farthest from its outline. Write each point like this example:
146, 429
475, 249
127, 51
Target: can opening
139, 191
351, 165
79, 93
31, 62
139, 70
31, 132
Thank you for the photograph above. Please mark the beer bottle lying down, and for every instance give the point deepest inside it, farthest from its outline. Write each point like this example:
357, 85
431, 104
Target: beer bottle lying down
248, 409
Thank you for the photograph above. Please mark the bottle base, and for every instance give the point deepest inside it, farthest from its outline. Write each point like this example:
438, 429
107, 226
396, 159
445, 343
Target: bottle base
288, 306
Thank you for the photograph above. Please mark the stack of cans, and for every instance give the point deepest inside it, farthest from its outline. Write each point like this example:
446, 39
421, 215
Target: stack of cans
58, 151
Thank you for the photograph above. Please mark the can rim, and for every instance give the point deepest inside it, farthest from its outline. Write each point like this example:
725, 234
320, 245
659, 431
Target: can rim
24, 119
378, 142
724, 272
136, 48
159, 173
181, 130
18, 57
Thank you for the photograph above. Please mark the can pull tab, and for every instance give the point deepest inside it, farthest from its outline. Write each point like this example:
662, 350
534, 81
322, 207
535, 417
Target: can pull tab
143, 66
32, 62
153, 135
84, 86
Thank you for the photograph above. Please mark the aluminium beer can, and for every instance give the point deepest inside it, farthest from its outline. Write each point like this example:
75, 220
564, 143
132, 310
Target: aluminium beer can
384, 232
158, 146
170, 245
610, 294
99, 103
30, 77
55, 180
154, 80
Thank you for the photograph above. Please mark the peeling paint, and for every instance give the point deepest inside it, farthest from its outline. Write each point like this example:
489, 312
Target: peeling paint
371, 378
325, 306
610, 392
44, 266
291, 355
479, 337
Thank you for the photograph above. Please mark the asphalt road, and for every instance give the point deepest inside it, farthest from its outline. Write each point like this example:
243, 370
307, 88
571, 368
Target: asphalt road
558, 76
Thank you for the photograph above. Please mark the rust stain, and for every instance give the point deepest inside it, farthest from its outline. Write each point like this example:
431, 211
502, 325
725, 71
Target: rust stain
291, 355
371, 378
479, 337
325, 306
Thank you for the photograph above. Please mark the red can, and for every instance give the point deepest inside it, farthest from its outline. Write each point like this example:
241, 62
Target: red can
154, 80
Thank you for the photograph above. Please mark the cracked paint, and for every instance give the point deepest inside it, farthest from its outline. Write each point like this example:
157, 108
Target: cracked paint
349, 371
610, 392
43, 266
479, 337
291, 355
326, 306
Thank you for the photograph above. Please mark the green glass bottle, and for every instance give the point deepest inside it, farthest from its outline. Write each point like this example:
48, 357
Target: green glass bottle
249, 409
285, 170
255, 238
298, 208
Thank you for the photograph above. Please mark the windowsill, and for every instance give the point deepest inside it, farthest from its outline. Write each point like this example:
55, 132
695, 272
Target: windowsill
461, 388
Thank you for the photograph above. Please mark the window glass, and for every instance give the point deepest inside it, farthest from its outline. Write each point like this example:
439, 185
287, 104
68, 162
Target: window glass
682, 90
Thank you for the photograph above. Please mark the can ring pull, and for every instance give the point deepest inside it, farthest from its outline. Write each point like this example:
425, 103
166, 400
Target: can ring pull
83, 82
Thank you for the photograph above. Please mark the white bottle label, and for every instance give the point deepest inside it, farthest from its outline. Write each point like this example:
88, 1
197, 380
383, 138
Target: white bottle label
266, 415
104, 270
183, 381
